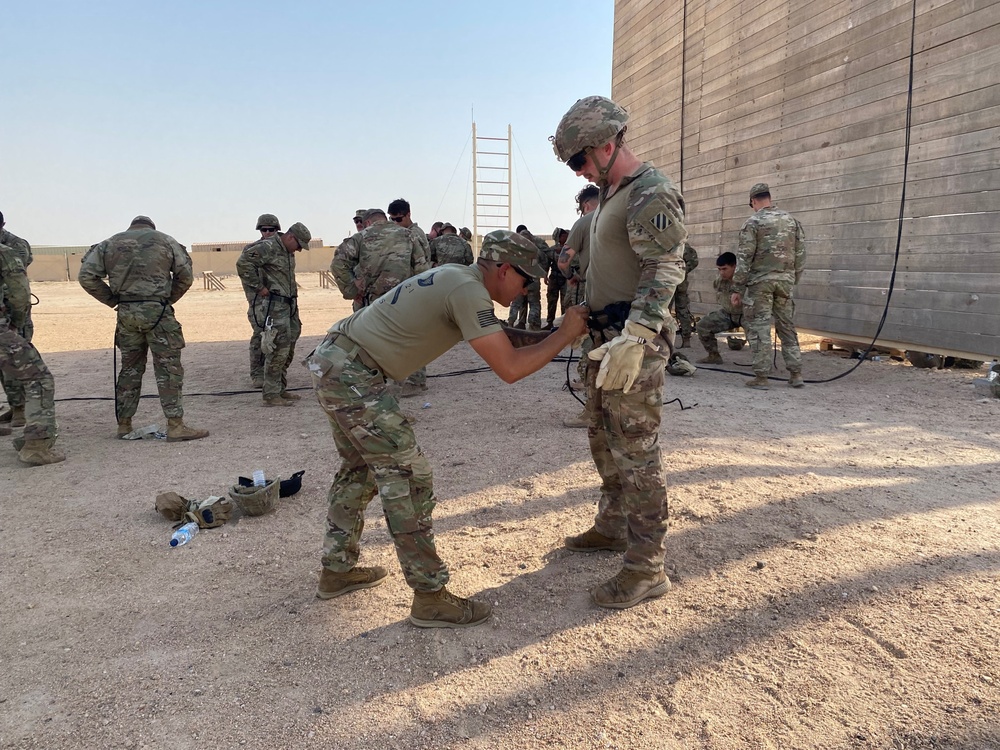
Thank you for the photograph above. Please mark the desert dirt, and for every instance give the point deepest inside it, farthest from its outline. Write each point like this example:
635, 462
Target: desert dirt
834, 553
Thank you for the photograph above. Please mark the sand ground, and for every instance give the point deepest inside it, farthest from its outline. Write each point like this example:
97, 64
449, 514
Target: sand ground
834, 550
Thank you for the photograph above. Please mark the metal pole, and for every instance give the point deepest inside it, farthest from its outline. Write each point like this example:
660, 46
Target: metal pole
475, 195
510, 171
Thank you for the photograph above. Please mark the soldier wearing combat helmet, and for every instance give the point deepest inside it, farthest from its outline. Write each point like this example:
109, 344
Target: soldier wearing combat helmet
267, 225
636, 263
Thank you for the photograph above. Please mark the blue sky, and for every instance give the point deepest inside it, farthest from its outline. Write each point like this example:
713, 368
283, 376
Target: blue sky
203, 115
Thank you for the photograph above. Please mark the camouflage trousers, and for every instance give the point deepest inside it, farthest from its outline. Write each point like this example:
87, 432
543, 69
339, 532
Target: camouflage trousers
378, 451
527, 306
762, 302
20, 362
149, 327
256, 355
287, 326
555, 296
15, 388
576, 294
717, 321
624, 435
682, 307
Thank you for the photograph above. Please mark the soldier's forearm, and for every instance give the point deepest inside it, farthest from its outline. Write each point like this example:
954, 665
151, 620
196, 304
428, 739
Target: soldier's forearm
519, 338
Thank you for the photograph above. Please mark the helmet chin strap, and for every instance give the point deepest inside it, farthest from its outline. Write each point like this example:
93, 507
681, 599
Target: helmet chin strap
602, 171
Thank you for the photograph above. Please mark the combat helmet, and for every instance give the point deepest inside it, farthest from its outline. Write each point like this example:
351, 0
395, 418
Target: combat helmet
268, 220
592, 121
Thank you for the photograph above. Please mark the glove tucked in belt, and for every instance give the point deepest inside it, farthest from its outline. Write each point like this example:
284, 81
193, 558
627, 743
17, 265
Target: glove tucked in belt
621, 358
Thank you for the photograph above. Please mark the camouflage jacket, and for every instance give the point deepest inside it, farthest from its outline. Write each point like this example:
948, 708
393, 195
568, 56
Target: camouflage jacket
375, 260
140, 264
450, 248
267, 263
772, 248
17, 299
690, 258
549, 260
21, 247
724, 296
420, 238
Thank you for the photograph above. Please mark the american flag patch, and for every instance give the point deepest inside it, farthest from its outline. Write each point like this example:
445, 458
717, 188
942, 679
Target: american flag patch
487, 318
661, 221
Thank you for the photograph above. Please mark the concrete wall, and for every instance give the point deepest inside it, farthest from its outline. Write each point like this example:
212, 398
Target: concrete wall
811, 96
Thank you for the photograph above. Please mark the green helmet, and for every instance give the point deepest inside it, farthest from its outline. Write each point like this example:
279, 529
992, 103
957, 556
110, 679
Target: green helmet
268, 220
592, 121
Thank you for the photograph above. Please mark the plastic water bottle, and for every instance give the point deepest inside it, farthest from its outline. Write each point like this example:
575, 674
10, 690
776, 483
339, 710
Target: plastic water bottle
258, 478
184, 534
994, 372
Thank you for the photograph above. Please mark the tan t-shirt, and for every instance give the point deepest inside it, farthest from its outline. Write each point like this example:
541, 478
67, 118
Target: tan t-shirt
579, 240
419, 320
613, 271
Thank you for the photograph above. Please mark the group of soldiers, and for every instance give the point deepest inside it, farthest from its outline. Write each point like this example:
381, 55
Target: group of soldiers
418, 295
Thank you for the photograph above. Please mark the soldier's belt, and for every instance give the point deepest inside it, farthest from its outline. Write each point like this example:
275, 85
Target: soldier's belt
125, 301
352, 350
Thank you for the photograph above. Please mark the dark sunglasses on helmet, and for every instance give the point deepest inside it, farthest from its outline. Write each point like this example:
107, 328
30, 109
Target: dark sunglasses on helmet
577, 160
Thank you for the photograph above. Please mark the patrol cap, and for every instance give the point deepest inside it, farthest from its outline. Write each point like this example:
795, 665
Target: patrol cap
268, 220
505, 246
299, 231
143, 220
372, 212
759, 189
360, 213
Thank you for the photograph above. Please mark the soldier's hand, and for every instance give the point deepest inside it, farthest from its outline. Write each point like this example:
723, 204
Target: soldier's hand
264, 292
734, 299
574, 321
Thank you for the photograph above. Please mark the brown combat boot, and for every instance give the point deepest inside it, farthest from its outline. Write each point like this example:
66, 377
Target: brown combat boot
580, 420
177, 431
17, 416
277, 401
40, 453
124, 427
6, 414
332, 584
712, 358
628, 588
409, 390
289, 396
795, 379
5, 429
759, 382
685, 342
442, 609
593, 540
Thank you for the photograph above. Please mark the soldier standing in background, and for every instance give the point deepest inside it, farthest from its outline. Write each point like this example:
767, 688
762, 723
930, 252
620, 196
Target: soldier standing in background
20, 362
12, 387
636, 263
268, 266
466, 234
682, 304
399, 213
147, 272
769, 262
526, 310
372, 262
555, 294
267, 225
448, 247
574, 260
730, 316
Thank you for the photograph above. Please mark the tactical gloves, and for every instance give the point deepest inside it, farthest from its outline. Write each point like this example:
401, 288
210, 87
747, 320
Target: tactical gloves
621, 358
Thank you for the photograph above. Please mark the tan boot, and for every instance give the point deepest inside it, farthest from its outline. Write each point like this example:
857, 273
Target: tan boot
759, 382
628, 588
580, 420
712, 358
409, 390
795, 379
442, 609
39, 453
289, 396
6, 414
593, 540
124, 427
17, 416
177, 431
5, 429
332, 584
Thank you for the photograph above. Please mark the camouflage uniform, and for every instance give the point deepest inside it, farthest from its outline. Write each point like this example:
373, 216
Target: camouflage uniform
555, 294
720, 321
682, 305
268, 263
450, 248
20, 361
637, 241
147, 271
420, 238
22, 250
527, 308
769, 262
257, 357
579, 240
381, 256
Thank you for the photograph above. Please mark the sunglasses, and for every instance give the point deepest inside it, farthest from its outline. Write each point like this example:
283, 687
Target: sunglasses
527, 278
358, 221
397, 219
269, 229
577, 160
